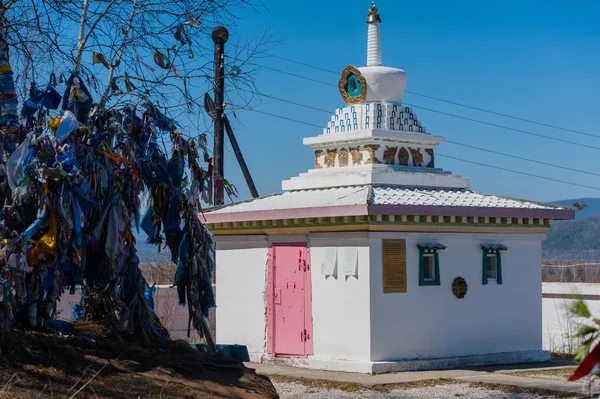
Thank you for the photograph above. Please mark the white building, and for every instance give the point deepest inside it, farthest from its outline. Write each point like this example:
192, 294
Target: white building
377, 260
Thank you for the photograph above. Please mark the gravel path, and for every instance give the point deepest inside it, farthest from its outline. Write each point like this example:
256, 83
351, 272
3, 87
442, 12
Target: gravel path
288, 390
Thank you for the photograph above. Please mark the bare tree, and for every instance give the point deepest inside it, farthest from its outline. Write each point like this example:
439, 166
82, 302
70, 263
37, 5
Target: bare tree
152, 54
129, 52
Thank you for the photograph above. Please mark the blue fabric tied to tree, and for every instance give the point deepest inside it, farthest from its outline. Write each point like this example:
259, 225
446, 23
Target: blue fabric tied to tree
176, 166
48, 279
149, 294
35, 227
48, 98
147, 223
162, 174
182, 280
173, 218
172, 224
84, 202
66, 160
7, 84
146, 172
77, 224
77, 312
161, 121
71, 273
31, 151
81, 100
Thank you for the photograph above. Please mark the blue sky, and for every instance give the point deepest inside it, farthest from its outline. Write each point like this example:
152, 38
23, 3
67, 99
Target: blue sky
537, 60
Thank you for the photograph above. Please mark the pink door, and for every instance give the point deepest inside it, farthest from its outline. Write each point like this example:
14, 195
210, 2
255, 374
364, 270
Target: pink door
289, 301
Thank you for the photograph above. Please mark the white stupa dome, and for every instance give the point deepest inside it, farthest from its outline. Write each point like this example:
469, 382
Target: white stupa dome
384, 84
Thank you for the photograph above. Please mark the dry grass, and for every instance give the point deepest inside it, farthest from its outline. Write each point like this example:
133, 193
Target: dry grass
42, 364
562, 373
563, 356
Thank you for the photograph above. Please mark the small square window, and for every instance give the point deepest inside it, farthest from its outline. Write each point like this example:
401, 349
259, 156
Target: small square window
429, 267
492, 266
492, 262
429, 263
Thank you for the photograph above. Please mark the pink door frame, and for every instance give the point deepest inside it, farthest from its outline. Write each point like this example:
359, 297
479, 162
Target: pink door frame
271, 317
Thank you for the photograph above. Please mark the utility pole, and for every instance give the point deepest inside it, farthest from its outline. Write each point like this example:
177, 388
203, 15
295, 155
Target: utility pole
220, 35
209, 106
240, 158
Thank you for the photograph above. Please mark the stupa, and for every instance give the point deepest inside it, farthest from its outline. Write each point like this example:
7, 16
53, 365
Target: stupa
376, 259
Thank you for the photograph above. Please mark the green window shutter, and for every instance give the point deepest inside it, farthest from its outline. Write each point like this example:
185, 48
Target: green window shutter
492, 249
437, 268
422, 281
484, 268
499, 265
421, 268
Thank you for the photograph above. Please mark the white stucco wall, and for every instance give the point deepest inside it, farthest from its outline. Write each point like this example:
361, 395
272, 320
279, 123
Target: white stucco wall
430, 322
340, 310
354, 322
558, 326
341, 307
241, 285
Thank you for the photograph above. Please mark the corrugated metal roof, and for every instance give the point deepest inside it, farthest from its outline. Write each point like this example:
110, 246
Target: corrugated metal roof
358, 195
462, 198
317, 198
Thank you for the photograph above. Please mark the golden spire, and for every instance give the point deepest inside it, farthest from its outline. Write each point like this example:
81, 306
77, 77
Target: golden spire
373, 15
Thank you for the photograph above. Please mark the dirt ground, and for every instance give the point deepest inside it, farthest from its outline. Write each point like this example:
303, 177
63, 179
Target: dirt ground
91, 364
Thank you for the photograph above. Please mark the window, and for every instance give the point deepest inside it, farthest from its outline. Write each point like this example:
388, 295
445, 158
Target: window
429, 264
492, 262
492, 267
429, 267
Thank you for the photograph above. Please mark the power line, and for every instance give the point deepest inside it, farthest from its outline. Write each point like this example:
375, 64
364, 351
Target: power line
448, 141
449, 114
448, 101
294, 103
285, 117
295, 75
519, 172
504, 115
505, 127
522, 158
467, 161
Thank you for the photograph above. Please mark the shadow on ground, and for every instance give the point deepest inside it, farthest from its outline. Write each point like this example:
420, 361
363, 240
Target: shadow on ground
88, 363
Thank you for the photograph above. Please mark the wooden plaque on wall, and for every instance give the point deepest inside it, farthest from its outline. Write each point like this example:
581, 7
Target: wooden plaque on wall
394, 266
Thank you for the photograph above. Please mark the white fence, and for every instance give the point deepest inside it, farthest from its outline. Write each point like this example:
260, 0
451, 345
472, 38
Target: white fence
166, 305
559, 327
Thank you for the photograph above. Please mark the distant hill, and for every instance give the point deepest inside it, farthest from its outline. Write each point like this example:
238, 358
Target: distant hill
593, 208
577, 239
149, 253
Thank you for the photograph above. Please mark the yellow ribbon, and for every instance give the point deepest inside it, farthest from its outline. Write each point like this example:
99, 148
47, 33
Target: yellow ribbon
53, 123
48, 241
